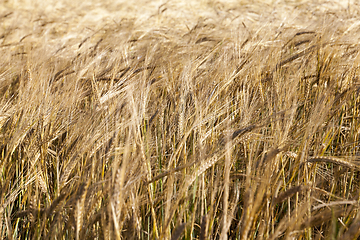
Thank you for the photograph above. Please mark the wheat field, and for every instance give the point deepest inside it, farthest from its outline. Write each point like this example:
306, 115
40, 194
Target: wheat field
179, 119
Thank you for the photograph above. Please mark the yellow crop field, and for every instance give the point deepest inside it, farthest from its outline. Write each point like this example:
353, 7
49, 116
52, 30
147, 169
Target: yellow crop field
179, 119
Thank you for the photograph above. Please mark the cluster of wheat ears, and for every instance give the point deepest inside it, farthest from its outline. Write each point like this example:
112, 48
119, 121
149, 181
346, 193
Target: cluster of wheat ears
179, 120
